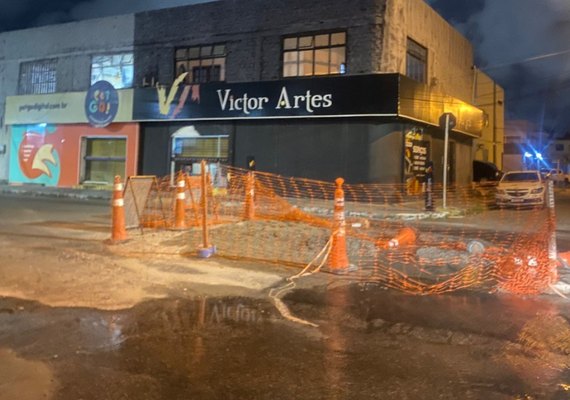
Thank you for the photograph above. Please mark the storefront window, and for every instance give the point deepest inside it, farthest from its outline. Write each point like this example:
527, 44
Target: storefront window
323, 54
117, 69
104, 158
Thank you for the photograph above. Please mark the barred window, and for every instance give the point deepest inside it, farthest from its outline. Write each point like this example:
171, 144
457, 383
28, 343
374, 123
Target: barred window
203, 63
38, 77
117, 69
308, 55
416, 61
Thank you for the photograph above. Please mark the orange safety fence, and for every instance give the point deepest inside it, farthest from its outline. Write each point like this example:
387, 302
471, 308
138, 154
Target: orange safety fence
390, 239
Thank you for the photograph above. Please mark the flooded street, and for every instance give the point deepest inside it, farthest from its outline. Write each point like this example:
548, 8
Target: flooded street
370, 343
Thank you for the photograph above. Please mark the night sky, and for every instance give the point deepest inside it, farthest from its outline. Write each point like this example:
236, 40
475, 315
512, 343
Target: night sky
514, 42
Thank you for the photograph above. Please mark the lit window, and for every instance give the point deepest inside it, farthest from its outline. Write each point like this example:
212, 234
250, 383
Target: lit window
38, 77
309, 55
203, 63
416, 61
202, 147
103, 159
117, 69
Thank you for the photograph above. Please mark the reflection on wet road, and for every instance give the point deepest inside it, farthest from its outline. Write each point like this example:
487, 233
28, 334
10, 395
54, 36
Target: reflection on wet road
370, 344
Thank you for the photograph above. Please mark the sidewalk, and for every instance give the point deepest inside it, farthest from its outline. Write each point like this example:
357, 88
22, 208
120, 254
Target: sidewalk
413, 210
31, 190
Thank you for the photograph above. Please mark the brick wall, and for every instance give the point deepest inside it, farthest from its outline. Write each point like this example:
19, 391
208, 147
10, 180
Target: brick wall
253, 31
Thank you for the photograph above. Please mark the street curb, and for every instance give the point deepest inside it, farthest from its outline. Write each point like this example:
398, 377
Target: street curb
77, 194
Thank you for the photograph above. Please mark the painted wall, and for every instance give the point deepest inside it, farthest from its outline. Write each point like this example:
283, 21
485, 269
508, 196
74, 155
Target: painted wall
72, 44
490, 97
51, 154
450, 55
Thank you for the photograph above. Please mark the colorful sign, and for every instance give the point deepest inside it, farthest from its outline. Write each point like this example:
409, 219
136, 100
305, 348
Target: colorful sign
60, 108
38, 148
416, 155
51, 155
101, 104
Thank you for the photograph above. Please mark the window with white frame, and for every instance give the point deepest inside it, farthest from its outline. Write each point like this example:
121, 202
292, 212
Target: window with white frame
38, 77
416, 61
319, 54
117, 69
202, 63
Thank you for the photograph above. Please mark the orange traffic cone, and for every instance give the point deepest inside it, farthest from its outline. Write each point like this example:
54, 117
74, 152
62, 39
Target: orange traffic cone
119, 231
338, 258
250, 196
404, 237
180, 204
565, 259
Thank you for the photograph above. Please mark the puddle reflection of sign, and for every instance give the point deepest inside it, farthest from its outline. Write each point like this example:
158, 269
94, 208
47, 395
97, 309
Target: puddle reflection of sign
416, 157
234, 312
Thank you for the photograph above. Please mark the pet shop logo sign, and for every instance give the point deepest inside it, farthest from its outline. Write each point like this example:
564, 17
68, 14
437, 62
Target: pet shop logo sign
101, 104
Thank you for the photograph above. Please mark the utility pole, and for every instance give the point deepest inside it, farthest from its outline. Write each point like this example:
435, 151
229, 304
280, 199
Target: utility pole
446, 121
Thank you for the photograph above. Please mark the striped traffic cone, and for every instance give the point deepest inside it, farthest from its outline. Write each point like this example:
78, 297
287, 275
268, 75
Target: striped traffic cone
180, 203
564, 259
119, 231
338, 258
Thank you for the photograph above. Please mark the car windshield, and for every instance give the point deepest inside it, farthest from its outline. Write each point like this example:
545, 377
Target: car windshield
521, 177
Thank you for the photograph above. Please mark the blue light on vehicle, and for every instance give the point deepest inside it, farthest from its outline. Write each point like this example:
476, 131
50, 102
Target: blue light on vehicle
527, 154
539, 156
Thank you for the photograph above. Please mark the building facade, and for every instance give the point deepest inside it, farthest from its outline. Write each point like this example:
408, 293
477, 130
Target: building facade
258, 45
296, 88
45, 76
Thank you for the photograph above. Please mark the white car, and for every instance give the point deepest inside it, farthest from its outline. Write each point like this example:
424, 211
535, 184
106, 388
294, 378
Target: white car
521, 188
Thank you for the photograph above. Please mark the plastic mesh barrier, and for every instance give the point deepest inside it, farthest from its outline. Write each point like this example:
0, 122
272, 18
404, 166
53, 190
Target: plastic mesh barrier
470, 244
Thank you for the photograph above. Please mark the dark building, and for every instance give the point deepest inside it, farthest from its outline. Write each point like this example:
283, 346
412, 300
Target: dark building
317, 89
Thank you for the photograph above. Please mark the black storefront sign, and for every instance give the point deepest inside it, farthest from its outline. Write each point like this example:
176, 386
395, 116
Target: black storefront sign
377, 95
364, 95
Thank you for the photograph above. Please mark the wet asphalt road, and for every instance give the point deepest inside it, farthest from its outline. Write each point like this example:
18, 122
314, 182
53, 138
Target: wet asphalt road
370, 343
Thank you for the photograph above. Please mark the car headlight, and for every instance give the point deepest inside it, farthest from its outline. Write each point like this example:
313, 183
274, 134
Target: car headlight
537, 190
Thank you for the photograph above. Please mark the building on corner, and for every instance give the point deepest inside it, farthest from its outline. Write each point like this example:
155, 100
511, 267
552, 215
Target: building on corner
316, 89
